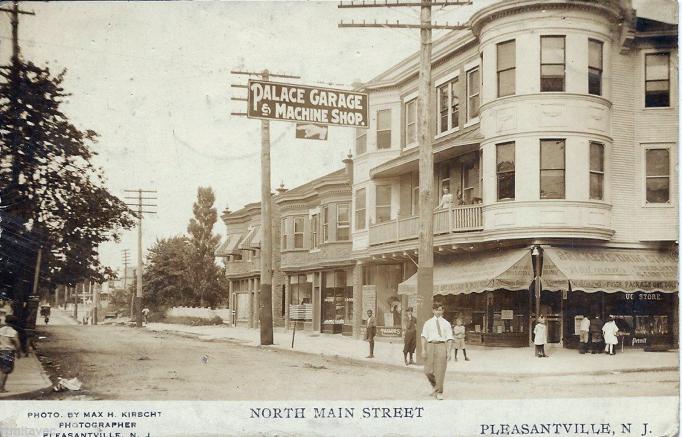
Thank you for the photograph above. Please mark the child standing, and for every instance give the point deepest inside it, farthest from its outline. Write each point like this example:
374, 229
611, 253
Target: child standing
9, 345
540, 333
459, 334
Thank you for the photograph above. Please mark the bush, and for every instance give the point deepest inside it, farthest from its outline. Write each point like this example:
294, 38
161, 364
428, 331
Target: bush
194, 321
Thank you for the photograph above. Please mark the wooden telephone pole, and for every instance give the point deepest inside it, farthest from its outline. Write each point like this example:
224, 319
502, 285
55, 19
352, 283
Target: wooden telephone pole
125, 253
139, 205
263, 299
424, 139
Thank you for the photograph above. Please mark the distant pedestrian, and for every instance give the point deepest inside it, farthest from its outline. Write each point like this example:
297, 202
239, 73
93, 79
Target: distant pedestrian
596, 326
610, 331
371, 332
436, 334
145, 314
540, 333
9, 349
410, 337
459, 334
584, 334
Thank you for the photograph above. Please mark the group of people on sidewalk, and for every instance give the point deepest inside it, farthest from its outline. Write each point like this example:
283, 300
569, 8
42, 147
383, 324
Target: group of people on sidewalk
598, 337
438, 342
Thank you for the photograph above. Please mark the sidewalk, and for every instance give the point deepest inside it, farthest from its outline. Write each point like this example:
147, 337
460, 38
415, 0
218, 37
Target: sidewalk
28, 376
484, 360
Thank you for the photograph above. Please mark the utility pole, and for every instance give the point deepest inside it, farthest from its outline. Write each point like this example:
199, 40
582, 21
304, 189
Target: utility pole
15, 136
139, 205
424, 139
126, 259
263, 300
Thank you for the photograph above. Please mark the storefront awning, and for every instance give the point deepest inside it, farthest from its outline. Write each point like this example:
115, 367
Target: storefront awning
616, 270
229, 247
257, 237
478, 272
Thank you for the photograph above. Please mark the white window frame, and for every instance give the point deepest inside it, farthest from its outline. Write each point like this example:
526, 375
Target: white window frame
409, 99
389, 130
590, 171
672, 79
671, 174
315, 231
468, 68
356, 210
448, 79
389, 205
302, 233
338, 220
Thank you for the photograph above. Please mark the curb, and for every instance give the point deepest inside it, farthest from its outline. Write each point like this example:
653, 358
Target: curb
31, 393
379, 364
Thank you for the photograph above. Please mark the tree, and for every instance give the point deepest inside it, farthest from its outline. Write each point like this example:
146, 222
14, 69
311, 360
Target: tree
203, 271
166, 278
53, 196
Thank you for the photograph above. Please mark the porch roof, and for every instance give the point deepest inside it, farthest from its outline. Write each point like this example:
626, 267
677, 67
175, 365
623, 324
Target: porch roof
409, 160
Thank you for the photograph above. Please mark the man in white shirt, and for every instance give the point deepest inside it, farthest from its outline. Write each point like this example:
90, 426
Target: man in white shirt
436, 339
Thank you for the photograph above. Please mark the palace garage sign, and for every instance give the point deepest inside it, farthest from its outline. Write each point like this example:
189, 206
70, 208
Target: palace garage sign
298, 103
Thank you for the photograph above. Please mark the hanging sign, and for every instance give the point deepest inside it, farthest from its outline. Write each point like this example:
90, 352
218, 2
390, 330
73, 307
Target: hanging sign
299, 103
311, 131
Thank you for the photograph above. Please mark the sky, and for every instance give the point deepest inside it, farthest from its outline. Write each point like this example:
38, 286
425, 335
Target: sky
153, 80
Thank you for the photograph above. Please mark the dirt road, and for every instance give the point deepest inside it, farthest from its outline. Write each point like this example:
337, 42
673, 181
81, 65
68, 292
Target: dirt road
117, 362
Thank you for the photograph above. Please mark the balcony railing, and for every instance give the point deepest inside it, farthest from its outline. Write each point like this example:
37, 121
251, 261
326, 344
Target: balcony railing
445, 221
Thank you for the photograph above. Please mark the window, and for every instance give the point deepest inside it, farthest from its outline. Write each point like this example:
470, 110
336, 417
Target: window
325, 223
506, 68
553, 63
360, 141
360, 209
298, 232
657, 80
342, 222
473, 93
448, 106
383, 203
596, 171
658, 175
552, 169
595, 66
384, 129
315, 231
411, 122
284, 234
506, 168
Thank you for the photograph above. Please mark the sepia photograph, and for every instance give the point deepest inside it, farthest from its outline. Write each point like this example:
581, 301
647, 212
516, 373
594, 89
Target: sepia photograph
358, 217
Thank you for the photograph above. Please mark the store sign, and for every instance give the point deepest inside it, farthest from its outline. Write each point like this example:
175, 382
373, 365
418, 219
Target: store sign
389, 332
311, 131
299, 103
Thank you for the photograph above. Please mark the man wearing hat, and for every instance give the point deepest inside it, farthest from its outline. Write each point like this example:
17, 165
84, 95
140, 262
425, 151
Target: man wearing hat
9, 345
410, 337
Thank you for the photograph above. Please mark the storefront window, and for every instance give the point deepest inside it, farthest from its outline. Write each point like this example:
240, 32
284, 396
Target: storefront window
334, 296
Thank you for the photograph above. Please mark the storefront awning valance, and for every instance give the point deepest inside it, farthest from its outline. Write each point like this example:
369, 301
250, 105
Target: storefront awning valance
478, 272
229, 247
616, 270
257, 237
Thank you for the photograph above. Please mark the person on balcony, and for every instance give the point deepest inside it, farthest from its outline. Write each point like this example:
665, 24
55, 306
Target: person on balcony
446, 199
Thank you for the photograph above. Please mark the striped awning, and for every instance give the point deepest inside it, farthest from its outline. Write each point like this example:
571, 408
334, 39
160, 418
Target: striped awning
229, 246
592, 269
252, 239
509, 269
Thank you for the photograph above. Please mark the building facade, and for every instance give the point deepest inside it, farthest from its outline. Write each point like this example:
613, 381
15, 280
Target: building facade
555, 148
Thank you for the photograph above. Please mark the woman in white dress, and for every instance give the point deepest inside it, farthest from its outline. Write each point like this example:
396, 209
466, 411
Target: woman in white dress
610, 331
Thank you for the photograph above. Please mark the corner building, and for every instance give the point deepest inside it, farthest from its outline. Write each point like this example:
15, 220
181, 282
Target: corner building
555, 134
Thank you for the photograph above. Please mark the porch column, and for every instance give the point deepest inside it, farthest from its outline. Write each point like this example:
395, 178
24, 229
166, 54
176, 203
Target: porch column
317, 309
357, 299
287, 301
